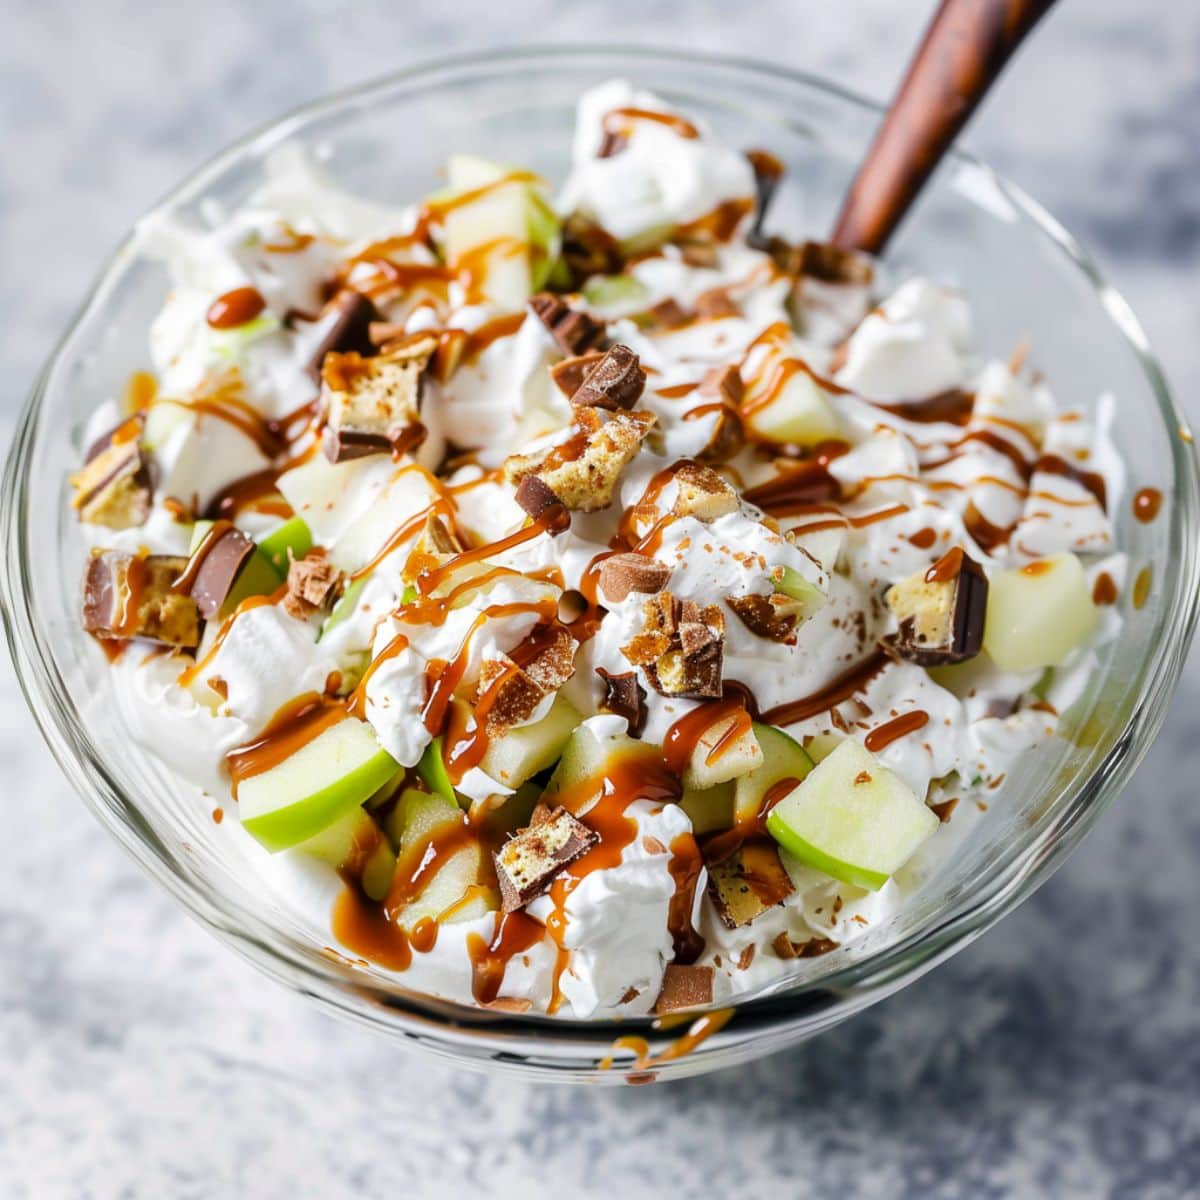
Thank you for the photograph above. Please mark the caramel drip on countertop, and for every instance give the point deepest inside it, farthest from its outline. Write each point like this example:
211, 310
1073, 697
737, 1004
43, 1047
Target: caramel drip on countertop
297, 723
891, 731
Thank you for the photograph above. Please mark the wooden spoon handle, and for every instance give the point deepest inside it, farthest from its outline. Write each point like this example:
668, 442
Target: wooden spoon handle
965, 48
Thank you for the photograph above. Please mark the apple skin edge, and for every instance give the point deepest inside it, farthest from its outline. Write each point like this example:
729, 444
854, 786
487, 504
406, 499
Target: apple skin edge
283, 828
808, 854
432, 769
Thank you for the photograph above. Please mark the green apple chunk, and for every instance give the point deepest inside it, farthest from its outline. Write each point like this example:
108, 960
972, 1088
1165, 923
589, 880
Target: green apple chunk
608, 291
356, 845
852, 818
311, 789
783, 758
344, 607
522, 752
1038, 614
432, 770
798, 413
722, 753
419, 821
257, 576
294, 535
578, 780
710, 809
791, 583
505, 221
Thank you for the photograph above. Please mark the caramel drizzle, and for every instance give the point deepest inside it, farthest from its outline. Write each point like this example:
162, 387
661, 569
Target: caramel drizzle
884, 735
840, 690
297, 723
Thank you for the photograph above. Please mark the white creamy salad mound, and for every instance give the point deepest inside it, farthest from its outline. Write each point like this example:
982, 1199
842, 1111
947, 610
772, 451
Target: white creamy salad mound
591, 601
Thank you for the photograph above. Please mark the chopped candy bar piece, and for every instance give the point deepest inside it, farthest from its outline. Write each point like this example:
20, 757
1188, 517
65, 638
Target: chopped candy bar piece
311, 583
703, 493
616, 381
569, 373
940, 612
685, 987
113, 486
347, 326
621, 574
527, 864
748, 883
624, 697
130, 596
575, 332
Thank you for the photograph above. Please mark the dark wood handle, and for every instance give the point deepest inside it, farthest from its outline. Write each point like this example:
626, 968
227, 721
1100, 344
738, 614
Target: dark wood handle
965, 48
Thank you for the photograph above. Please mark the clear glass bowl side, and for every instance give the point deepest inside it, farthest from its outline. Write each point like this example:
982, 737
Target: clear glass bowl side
1021, 273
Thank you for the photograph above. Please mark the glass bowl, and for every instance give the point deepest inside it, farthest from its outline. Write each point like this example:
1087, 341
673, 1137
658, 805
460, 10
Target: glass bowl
388, 140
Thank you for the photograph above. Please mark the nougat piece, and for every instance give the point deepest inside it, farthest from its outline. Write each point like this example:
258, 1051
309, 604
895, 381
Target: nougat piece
939, 612
703, 493
583, 471
680, 647
527, 864
113, 487
748, 883
135, 596
372, 405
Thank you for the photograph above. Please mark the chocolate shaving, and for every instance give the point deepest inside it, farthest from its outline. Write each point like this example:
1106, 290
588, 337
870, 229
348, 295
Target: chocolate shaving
810, 948
685, 987
527, 864
615, 382
350, 315
625, 697
311, 583
575, 332
768, 173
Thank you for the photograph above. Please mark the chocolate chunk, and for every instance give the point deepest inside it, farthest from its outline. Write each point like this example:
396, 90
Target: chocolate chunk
748, 883
575, 332
681, 647
625, 697
612, 143
616, 381
772, 617
940, 612
809, 948
311, 582
214, 567
130, 596
768, 172
725, 383
833, 264
113, 487
588, 249
535, 497
527, 864
685, 987
347, 325
666, 314
621, 574
717, 302
568, 374
341, 445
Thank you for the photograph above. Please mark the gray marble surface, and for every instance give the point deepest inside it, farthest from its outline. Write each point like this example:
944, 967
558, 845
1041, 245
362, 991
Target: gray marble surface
1059, 1056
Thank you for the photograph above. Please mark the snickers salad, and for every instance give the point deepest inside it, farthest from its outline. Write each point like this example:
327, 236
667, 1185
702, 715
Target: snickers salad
577, 597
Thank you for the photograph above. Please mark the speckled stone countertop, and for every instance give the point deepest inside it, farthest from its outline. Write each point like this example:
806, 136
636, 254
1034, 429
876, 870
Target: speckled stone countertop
1058, 1057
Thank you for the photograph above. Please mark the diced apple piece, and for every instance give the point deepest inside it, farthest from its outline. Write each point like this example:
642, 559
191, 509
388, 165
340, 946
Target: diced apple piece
1038, 614
709, 810
797, 413
783, 759
508, 233
327, 495
722, 753
294, 535
821, 745
501, 816
791, 583
825, 545
256, 577
344, 607
432, 769
314, 787
525, 750
608, 291
356, 845
395, 507
852, 818
578, 779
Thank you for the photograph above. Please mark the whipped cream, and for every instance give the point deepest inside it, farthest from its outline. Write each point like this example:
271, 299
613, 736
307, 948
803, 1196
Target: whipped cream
850, 440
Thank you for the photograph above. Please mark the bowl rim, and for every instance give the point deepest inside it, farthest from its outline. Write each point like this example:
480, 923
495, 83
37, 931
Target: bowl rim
552, 1047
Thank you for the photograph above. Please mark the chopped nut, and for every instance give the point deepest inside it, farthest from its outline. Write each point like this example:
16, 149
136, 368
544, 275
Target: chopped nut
311, 582
128, 596
748, 883
621, 574
616, 381
575, 332
703, 493
372, 405
685, 987
113, 486
527, 864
